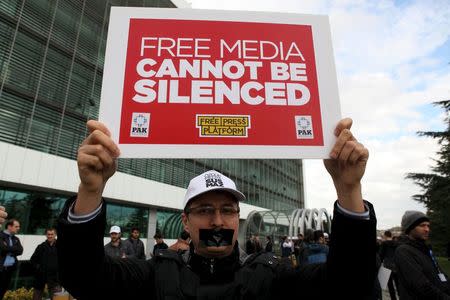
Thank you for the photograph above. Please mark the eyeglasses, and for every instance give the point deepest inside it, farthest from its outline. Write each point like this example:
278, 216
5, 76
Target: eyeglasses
210, 211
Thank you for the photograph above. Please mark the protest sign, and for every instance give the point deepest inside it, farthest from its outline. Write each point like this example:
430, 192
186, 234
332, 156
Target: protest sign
185, 83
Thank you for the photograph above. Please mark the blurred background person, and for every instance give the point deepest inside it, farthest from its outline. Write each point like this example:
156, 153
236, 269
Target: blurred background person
182, 243
159, 243
10, 248
45, 265
116, 247
269, 245
135, 244
387, 253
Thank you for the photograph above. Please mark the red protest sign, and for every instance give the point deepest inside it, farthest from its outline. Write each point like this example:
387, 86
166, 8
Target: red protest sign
241, 89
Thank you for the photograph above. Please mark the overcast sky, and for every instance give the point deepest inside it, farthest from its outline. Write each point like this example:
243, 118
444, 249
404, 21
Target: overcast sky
392, 61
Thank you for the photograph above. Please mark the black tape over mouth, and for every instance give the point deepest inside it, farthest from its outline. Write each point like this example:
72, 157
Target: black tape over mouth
216, 237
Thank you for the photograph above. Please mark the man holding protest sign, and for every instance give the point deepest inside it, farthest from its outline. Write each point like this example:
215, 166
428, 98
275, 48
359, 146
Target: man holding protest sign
231, 96
214, 267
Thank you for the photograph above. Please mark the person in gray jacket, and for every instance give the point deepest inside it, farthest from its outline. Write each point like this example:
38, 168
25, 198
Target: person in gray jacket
419, 274
117, 247
136, 245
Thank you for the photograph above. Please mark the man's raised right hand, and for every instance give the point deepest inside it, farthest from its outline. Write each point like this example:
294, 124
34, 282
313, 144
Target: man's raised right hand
96, 164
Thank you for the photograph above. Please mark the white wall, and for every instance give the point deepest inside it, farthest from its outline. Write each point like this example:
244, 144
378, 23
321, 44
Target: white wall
20, 166
33, 168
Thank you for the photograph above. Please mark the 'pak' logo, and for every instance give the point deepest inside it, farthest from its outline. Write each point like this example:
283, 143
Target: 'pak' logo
140, 125
212, 180
303, 127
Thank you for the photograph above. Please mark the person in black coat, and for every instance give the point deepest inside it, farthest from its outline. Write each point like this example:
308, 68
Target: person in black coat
419, 274
387, 253
10, 248
250, 247
269, 245
45, 264
160, 245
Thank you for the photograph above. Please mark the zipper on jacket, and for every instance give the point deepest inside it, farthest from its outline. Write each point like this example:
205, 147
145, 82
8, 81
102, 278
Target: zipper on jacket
211, 265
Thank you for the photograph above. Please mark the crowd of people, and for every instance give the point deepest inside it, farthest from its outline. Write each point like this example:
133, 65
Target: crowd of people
413, 270
300, 250
207, 261
44, 260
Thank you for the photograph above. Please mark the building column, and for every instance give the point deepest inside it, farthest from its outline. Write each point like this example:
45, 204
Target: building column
151, 229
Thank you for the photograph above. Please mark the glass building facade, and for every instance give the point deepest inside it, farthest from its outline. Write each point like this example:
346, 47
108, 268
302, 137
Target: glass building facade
51, 69
38, 210
51, 66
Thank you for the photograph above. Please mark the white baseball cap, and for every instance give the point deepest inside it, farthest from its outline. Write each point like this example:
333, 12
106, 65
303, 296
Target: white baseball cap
114, 229
211, 181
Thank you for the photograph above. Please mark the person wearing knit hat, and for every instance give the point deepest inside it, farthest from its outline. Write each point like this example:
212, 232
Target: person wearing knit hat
419, 274
412, 218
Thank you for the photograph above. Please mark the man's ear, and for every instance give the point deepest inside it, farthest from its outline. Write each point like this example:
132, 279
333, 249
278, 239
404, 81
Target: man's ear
184, 220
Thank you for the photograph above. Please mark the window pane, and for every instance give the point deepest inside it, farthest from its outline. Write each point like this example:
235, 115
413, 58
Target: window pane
169, 224
34, 210
126, 217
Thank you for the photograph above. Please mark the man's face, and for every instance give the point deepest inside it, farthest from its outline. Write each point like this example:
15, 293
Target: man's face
14, 228
51, 236
135, 234
421, 231
194, 221
114, 236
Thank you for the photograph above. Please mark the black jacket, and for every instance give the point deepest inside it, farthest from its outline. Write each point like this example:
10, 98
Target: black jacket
15, 250
268, 247
45, 262
387, 253
87, 273
250, 247
417, 273
160, 246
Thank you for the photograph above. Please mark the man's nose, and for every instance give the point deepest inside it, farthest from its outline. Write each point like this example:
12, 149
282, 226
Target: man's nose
217, 219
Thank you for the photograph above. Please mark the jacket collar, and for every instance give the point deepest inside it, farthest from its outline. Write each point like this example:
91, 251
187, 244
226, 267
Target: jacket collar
418, 244
214, 270
6, 231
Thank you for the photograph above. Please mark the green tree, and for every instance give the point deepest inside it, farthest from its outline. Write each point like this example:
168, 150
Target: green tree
436, 185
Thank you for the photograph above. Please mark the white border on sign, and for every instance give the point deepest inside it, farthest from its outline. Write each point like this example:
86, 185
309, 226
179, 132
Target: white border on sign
114, 73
